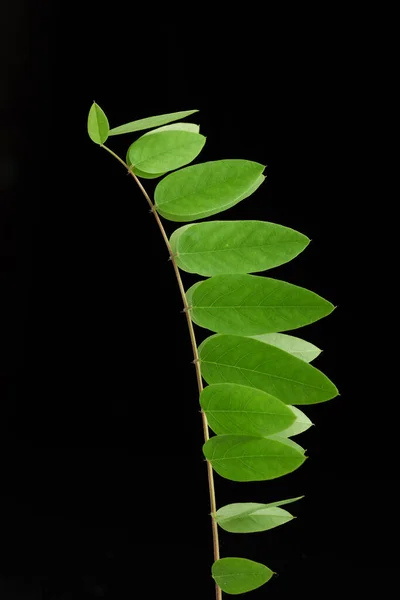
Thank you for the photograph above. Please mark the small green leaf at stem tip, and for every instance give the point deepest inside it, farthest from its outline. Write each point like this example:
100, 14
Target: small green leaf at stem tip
97, 125
239, 575
151, 122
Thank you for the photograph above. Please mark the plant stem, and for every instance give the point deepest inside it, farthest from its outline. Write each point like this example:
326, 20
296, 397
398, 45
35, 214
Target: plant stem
196, 360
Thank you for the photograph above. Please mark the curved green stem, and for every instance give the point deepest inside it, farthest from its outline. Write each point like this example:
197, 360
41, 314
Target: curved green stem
196, 361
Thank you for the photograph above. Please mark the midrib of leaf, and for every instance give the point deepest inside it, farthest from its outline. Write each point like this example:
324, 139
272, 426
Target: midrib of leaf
235, 248
263, 373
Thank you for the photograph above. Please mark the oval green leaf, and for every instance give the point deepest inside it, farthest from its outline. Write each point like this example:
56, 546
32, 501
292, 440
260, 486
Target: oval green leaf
239, 575
251, 458
294, 345
232, 247
176, 127
244, 410
301, 424
250, 305
250, 517
235, 359
230, 510
205, 189
150, 122
165, 151
97, 125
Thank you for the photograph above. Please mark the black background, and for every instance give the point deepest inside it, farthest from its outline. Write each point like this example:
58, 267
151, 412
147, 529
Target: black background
103, 483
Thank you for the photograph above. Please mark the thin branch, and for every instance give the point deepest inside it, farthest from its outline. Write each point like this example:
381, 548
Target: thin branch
196, 360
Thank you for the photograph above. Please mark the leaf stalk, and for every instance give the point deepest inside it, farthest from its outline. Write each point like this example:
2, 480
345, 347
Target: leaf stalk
196, 361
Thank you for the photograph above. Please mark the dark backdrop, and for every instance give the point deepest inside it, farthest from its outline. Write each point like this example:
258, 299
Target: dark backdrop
103, 484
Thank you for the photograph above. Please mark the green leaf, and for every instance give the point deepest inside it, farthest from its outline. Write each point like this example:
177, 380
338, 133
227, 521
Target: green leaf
250, 305
222, 247
294, 345
301, 424
205, 189
150, 122
250, 517
239, 575
251, 458
230, 510
285, 440
176, 126
232, 408
97, 125
235, 359
165, 151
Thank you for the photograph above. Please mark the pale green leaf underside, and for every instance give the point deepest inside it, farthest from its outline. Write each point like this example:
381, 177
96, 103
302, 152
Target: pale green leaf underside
251, 517
301, 424
145, 175
240, 575
205, 189
165, 151
294, 345
176, 127
251, 458
251, 305
231, 510
230, 247
236, 359
243, 410
150, 122
189, 293
286, 440
97, 125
